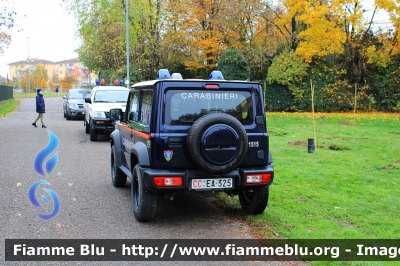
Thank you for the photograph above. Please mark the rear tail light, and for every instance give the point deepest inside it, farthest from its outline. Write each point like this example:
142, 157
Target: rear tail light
258, 178
168, 181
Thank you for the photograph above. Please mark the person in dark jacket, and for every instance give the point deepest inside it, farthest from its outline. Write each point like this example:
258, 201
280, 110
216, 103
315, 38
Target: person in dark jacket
40, 107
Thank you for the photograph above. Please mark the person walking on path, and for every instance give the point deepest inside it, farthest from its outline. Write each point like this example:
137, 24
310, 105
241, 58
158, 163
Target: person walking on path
40, 108
57, 95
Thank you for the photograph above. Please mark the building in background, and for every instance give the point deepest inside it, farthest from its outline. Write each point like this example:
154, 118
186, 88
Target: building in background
71, 70
21, 68
77, 70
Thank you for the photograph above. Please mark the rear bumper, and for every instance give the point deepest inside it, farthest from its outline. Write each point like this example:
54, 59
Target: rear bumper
238, 179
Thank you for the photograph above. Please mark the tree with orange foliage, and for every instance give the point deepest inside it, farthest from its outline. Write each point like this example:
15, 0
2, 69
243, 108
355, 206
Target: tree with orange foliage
201, 31
51, 84
381, 55
41, 83
75, 74
67, 82
24, 81
40, 77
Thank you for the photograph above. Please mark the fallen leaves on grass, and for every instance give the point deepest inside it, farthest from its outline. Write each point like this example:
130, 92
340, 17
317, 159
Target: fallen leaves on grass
338, 148
298, 143
276, 133
347, 123
389, 167
350, 115
301, 143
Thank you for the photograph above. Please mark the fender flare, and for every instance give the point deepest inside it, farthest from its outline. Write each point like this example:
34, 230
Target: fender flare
115, 139
269, 157
141, 153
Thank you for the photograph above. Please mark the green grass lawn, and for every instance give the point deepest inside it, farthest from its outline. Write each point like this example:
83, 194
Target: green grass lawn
8, 106
348, 188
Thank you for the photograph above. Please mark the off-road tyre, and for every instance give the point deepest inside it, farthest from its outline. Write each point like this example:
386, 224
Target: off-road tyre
118, 177
143, 201
87, 126
196, 133
254, 201
93, 133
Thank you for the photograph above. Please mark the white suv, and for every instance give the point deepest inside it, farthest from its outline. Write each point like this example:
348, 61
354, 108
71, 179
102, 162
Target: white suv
97, 111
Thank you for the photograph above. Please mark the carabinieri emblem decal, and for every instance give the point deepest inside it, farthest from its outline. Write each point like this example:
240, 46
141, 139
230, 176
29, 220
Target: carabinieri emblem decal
168, 155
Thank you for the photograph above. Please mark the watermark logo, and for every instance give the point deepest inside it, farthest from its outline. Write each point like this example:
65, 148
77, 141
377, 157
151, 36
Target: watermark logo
41, 156
43, 171
35, 202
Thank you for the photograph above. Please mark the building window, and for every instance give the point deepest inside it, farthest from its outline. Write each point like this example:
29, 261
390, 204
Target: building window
61, 72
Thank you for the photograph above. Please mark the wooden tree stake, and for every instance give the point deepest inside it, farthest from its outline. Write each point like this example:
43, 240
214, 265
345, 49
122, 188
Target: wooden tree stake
312, 107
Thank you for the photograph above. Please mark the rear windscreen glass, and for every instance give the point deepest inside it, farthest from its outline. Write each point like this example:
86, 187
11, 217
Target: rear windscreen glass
185, 107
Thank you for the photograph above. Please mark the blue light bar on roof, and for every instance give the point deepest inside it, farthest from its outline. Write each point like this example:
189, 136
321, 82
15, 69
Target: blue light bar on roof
216, 75
97, 82
163, 74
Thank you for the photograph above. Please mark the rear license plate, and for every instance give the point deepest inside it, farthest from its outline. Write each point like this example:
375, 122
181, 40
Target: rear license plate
211, 183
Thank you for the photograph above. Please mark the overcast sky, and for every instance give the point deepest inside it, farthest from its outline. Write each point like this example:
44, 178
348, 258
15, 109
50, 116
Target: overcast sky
51, 32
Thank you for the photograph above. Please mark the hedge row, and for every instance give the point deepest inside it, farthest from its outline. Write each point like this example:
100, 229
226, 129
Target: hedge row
337, 97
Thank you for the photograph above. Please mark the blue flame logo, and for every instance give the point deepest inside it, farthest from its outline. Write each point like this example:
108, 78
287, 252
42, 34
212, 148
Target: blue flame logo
35, 202
50, 165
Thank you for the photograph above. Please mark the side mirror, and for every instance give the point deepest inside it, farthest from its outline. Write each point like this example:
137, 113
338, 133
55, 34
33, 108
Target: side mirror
115, 114
64, 97
88, 100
